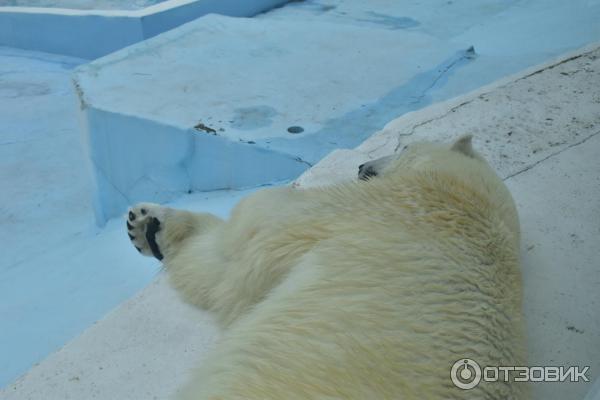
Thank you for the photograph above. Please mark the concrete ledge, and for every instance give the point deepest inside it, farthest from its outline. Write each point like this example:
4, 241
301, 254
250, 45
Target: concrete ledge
300, 82
90, 34
518, 123
215, 126
173, 162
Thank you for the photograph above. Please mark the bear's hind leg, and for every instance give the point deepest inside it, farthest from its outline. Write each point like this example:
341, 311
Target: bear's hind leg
159, 231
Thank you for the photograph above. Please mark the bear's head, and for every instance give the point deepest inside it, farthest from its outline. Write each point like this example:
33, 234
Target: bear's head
458, 160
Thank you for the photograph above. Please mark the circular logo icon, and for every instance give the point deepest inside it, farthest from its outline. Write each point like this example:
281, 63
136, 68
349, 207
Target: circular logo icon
465, 374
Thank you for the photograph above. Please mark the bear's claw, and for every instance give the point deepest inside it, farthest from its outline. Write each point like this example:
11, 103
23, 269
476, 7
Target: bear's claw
152, 229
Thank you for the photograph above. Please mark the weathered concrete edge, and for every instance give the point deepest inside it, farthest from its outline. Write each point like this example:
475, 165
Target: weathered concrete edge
378, 144
439, 110
182, 153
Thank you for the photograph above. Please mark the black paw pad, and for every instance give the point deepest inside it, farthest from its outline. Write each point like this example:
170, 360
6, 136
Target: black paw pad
131, 216
151, 230
129, 226
131, 237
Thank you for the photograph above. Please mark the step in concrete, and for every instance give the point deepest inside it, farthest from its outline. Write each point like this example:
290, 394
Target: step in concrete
229, 103
232, 103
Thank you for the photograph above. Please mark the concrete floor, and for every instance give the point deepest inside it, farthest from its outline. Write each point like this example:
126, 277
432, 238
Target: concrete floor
540, 129
53, 272
53, 275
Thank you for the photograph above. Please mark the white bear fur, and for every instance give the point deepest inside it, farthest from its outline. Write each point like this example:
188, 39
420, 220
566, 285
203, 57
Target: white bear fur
363, 290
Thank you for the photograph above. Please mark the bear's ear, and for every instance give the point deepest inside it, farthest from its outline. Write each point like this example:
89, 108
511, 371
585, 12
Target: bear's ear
463, 145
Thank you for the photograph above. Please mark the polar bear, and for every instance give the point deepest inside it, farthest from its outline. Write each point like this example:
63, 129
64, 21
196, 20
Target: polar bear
370, 289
